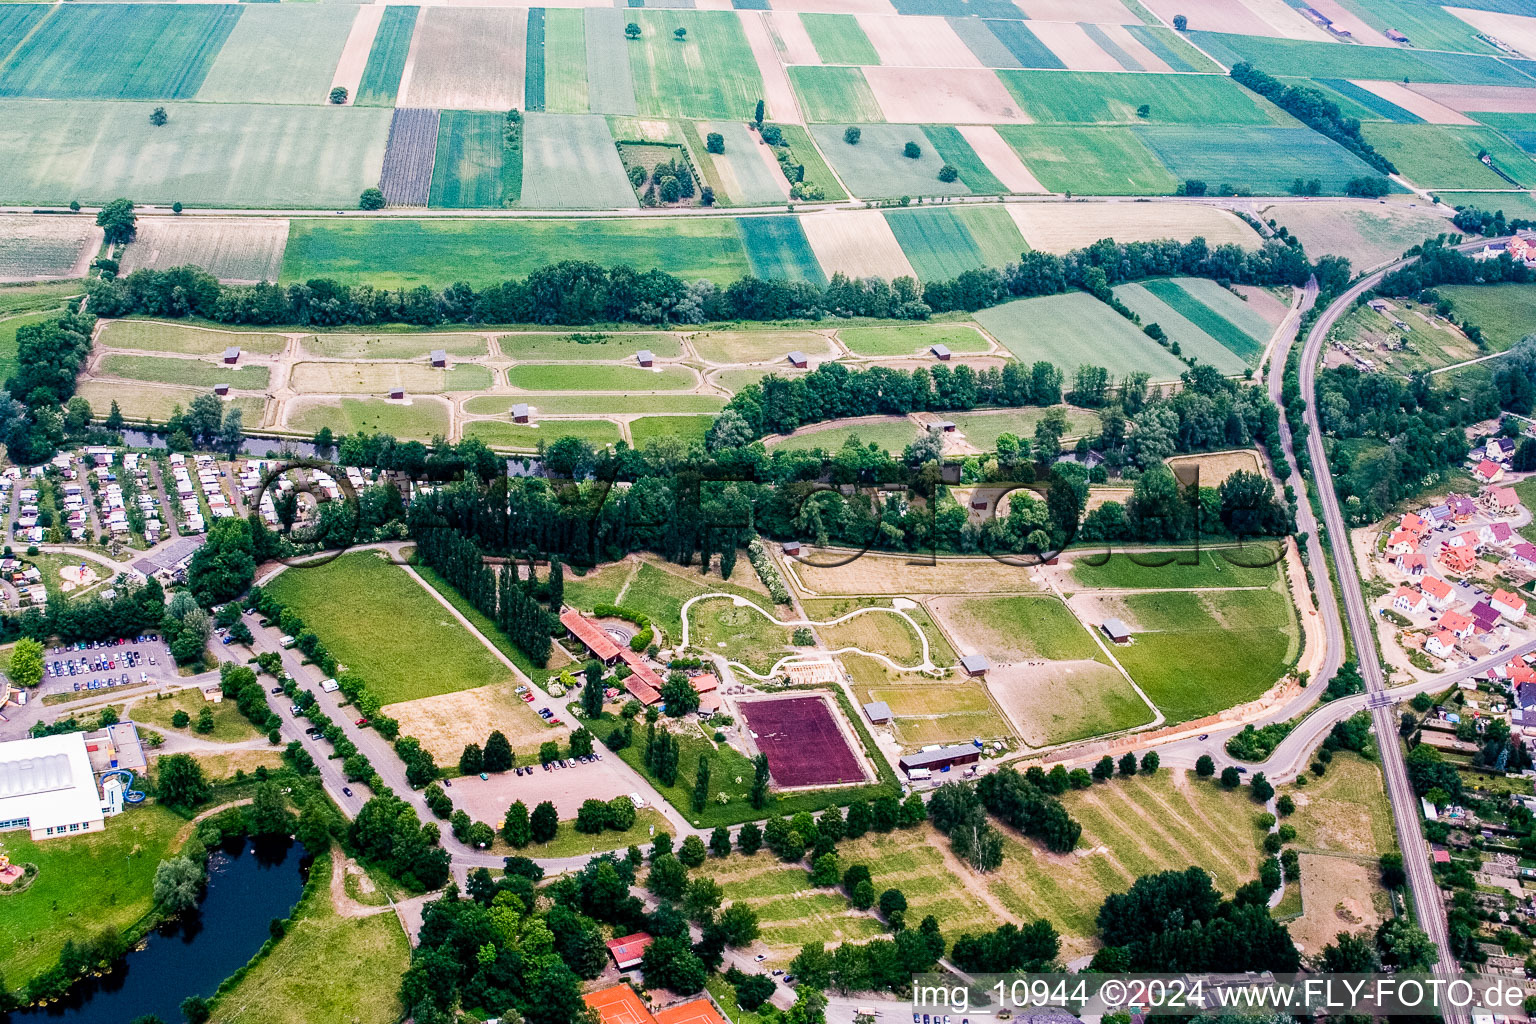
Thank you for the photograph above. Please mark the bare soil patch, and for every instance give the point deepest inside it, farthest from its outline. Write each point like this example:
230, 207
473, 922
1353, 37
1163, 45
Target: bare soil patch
794, 41
354, 55
1073, 46
1001, 159
1419, 103
1060, 228
918, 42
1505, 99
858, 242
447, 722
943, 96
1338, 895
909, 574
776, 89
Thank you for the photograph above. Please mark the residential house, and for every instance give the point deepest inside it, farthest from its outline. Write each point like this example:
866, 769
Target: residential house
1402, 542
1441, 594
1409, 601
1508, 605
1462, 508
1499, 449
1412, 565
1485, 617
1525, 556
1496, 534
1488, 472
1459, 625
1458, 561
1442, 644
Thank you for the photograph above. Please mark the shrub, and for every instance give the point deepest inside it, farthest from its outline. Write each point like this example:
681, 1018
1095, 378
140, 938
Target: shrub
371, 199
948, 173
852, 134
911, 150
339, 94
715, 142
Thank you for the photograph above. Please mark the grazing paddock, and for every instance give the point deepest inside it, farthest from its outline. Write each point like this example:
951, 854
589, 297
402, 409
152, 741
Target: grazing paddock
119, 51
1367, 233
550, 347
857, 242
947, 712
406, 177
39, 248
594, 405
194, 373
712, 73
878, 632
803, 741
1439, 156
738, 632
467, 168
890, 434
982, 429
1014, 628
835, 94
872, 573
156, 336
943, 96
280, 54
379, 378
392, 346
646, 429
417, 419
214, 154
569, 163
605, 377
400, 253
528, 436
912, 339
759, 346
1056, 328
386, 59
1060, 229
1051, 702
141, 403
243, 250
446, 722
1095, 161
467, 58
403, 619
877, 168
1210, 569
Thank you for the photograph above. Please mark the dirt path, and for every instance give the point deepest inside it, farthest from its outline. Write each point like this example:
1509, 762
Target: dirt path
968, 878
345, 905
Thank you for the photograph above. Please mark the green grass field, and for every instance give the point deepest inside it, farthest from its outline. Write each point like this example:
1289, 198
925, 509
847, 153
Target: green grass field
119, 51
83, 883
982, 429
1020, 627
189, 372
157, 336
710, 74
1081, 97
33, 298
325, 964
1514, 204
421, 420
565, 61
838, 94
892, 436
217, 154
595, 405
386, 59
1197, 654
279, 54
1505, 312
1445, 156
527, 437
718, 626
404, 253
1089, 161
936, 243
534, 377
778, 249
1144, 571
947, 712
758, 346
229, 725
876, 168
803, 151
911, 339
839, 39
466, 172
1192, 338
1057, 328
588, 346
384, 642
569, 163
682, 428
1264, 159
392, 346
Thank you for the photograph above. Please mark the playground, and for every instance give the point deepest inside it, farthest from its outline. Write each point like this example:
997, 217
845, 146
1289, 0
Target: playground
78, 577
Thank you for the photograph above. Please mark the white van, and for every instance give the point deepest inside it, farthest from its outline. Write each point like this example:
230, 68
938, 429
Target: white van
286, 641
330, 686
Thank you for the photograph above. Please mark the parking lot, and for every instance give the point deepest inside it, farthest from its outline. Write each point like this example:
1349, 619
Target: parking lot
487, 800
107, 665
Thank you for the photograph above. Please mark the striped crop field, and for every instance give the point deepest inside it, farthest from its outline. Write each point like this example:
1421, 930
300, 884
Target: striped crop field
386, 61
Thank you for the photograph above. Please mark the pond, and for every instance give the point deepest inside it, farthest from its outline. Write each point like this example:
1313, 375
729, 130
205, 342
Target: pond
248, 886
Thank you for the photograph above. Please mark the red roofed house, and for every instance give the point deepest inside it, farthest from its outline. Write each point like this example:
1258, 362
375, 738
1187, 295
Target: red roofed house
1460, 561
1525, 556
1414, 523
1496, 533
642, 682
627, 952
1406, 599
1402, 542
1488, 472
1465, 539
1508, 605
1413, 564
1440, 593
591, 636
1457, 623
1442, 644
1500, 500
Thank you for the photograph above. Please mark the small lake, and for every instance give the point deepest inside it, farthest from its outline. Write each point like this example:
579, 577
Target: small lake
248, 886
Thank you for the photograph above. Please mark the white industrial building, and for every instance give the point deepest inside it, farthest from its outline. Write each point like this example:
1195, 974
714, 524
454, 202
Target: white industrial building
47, 786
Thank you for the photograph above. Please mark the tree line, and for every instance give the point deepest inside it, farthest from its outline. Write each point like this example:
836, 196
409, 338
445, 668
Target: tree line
1314, 109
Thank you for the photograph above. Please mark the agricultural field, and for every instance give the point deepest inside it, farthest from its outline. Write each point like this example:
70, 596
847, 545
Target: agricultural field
246, 250
398, 253
565, 61
1265, 159
1060, 229
1368, 234
1055, 328
857, 242
1095, 161
569, 163
420, 419
778, 248
1505, 312
195, 373
157, 336
748, 170
835, 94
403, 619
467, 167
710, 73
528, 436
838, 39
278, 54
1446, 156
914, 339
39, 248
876, 168
1209, 323
406, 175
1076, 97
466, 59
380, 82
586, 377
392, 346
940, 246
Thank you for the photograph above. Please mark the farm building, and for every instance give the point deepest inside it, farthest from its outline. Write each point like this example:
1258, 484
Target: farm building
590, 635
1116, 631
645, 357
48, 787
439, 357
397, 393
941, 353
975, 664
799, 360
941, 427
232, 355
940, 758
791, 547
628, 951
822, 672
520, 413
878, 712
221, 390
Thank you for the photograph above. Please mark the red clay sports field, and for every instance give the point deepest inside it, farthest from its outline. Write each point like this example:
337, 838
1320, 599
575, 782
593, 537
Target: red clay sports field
802, 741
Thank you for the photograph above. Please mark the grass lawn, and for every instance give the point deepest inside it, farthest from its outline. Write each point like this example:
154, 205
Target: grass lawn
682, 428
570, 843
423, 420
393, 346
599, 586
229, 725
1095, 161
187, 372
717, 625
912, 339
1061, 701
880, 632
527, 437
1505, 312
1445, 156
1344, 811
1058, 328
594, 405
710, 74
83, 883
660, 593
947, 712
406, 253
155, 336
982, 429
588, 346
487, 628
384, 640
533, 377
758, 346
891, 435
1019, 627
1142, 571
327, 967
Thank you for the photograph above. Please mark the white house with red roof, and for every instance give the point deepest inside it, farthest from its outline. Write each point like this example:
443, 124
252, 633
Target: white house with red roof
1413, 564
1442, 644
1508, 605
1488, 472
1409, 601
1459, 625
1402, 542
1440, 594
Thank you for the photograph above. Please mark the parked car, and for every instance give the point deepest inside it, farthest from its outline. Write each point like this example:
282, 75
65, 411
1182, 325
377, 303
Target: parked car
276, 690
346, 790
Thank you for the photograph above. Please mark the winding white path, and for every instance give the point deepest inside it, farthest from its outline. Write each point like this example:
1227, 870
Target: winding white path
778, 666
